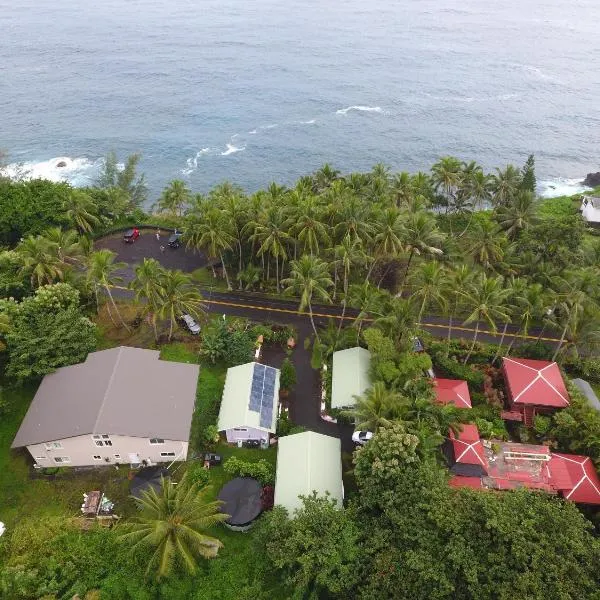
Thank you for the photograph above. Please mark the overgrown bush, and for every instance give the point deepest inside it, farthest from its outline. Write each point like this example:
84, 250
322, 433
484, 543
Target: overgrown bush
452, 369
286, 427
198, 473
287, 378
261, 470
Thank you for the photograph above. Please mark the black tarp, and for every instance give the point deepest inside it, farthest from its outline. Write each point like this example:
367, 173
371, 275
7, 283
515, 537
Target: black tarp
241, 497
146, 479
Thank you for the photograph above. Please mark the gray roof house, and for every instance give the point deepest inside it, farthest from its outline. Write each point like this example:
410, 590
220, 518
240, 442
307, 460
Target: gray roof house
349, 376
122, 405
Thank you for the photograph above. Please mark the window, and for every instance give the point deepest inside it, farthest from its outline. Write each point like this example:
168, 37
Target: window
107, 443
155, 441
41, 457
167, 453
62, 459
98, 442
53, 446
95, 437
240, 429
117, 456
105, 437
97, 457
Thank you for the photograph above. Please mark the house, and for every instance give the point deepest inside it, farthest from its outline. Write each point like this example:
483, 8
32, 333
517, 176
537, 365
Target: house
250, 403
499, 465
308, 462
590, 209
122, 405
350, 376
452, 391
534, 387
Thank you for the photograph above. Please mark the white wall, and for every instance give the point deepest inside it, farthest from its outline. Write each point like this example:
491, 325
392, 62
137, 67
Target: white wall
82, 449
245, 433
590, 213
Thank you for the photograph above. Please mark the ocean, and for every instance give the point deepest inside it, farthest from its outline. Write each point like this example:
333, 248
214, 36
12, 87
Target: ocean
264, 90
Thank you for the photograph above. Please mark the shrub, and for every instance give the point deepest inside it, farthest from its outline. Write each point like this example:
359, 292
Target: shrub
286, 427
287, 378
198, 473
261, 470
454, 370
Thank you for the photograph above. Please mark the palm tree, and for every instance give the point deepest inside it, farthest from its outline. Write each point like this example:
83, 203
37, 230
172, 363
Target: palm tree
69, 246
517, 214
388, 236
581, 333
249, 277
398, 320
174, 198
429, 285
377, 407
147, 285
81, 211
40, 261
422, 237
170, 527
485, 297
477, 188
212, 234
486, 244
369, 301
402, 189
505, 184
231, 200
324, 177
446, 175
307, 226
101, 275
458, 280
353, 218
177, 296
309, 278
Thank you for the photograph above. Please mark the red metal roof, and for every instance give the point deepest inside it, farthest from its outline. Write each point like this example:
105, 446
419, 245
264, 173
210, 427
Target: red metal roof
576, 478
535, 382
467, 446
470, 482
452, 391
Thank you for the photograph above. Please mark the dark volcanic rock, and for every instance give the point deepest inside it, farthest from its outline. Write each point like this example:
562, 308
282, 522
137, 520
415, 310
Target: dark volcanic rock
592, 179
62, 163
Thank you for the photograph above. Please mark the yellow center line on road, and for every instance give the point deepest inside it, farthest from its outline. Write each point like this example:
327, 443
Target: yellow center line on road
349, 318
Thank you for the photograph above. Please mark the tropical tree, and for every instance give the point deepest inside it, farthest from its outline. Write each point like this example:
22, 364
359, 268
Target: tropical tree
486, 244
124, 177
306, 225
429, 283
397, 320
388, 235
175, 197
231, 200
309, 278
147, 285
171, 527
102, 276
81, 212
40, 261
324, 177
517, 214
178, 296
69, 247
475, 188
505, 184
377, 407
369, 300
249, 277
457, 281
486, 298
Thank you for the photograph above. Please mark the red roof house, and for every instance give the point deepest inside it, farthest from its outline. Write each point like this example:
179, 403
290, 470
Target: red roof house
452, 391
534, 386
575, 477
465, 452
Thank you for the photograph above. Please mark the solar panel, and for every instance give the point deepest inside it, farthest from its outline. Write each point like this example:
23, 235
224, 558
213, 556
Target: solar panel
262, 393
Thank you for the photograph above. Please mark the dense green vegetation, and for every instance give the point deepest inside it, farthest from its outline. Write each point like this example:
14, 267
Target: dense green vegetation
476, 248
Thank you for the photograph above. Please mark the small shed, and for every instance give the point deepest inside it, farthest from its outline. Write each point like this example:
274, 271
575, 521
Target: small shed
465, 452
249, 407
350, 376
308, 462
575, 477
452, 391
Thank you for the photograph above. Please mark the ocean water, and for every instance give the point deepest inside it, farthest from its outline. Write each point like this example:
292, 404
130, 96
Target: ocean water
268, 90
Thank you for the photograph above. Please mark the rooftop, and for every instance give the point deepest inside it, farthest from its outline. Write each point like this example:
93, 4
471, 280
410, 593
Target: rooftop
452, 391
350, 376
120, 391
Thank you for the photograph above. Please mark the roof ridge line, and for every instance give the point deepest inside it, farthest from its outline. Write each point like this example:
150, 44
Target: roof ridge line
108, 386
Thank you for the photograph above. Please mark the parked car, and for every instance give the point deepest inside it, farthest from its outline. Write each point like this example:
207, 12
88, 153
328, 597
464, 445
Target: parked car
362, 437
213, 459
175, 240
131, 235
190, 324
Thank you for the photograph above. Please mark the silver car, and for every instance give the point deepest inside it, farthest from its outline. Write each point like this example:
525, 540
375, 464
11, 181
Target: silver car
191, 324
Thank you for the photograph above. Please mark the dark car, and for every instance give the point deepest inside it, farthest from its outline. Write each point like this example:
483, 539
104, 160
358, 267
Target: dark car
213, 459
175, 240
131, 235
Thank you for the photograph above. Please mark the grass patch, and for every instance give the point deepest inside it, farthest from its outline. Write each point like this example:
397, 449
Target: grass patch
205, 278
185, 352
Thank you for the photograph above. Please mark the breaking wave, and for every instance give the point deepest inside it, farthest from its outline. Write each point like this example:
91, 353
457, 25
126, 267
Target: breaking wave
360, 108
231, 149
561, 186
78, 172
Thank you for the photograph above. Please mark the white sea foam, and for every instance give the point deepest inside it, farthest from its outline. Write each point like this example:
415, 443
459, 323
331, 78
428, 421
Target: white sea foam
272, 126
539, 74
561, 186
192, 162
308, 122
231, 149
345, 111
252, 132
76, 171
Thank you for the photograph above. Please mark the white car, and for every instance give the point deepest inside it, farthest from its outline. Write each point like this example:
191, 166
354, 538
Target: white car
361, 437
191, 324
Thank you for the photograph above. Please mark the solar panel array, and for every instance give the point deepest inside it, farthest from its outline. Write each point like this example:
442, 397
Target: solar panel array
262, 393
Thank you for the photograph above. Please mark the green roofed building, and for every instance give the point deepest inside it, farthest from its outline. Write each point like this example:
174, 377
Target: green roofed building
350, 376
308, 462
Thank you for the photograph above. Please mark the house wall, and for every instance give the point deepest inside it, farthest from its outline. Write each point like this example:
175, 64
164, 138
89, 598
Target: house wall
590, 213
245, 433
82, 449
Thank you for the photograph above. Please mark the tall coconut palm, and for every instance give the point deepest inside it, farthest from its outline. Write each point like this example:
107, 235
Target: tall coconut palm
429, 285
171, 526
457, 281
505, 184
102, 276
324, 177
346, 255
377, 407
306, 225
354, 218
175, 197
368, 300
486, 244
147, 285
231, 201
517, 214
68, 245
446, 175
421, 237
477, 188
309, 278
178, 296
40, 261
485, 297
402, 189
211, 234
580, 333
81, 211
398, 320
388, 235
